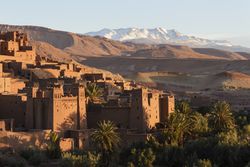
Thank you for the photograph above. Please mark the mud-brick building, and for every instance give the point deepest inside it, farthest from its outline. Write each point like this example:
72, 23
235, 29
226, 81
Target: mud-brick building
13, 106
137, 109
53, 108
15, 44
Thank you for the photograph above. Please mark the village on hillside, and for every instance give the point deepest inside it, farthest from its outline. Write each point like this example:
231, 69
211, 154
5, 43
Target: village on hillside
63, 113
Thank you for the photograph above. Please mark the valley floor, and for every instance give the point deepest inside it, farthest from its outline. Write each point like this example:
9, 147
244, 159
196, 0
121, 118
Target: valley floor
216, 79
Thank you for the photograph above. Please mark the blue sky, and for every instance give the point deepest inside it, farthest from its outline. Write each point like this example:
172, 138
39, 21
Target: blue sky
225, 19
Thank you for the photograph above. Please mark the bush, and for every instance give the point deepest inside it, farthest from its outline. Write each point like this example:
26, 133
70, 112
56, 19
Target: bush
93, 159
88, 159
27, 153
142, 157
12, 161
71, 160
33, 156
170, 156
37, 159
204, 163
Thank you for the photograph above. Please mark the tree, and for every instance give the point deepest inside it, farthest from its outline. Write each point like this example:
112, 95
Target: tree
221, 118
141, 157
106, 139
182, 125
93, 92
183, 107
199, 123
228, 137
53, 147
177, 126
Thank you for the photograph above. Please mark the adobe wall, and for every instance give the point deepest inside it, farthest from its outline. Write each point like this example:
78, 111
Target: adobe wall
65, 113
1, 70
71, 74
17, 84
13, 107
36, 139
118, 115
5, 85
2, 125
152, 110
167, 106
145, 111
127, 138
17, 59
28, 55
42, 116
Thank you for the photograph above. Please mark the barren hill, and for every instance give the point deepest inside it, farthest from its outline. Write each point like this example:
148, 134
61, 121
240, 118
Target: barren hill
221, 53
69, 43
230, 80
172, 52
47, 50
184, 52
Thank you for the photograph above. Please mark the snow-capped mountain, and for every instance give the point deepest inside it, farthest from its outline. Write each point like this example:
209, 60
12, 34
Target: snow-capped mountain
163, 36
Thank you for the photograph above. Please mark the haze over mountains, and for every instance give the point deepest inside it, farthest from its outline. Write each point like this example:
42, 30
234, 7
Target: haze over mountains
164, 36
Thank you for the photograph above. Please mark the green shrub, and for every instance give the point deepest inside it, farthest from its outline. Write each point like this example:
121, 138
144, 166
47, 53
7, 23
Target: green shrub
88, 159
142, 157
204, 163
71, 160
93, 159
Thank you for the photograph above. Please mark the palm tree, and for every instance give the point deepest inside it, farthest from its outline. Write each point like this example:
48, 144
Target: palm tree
183, 124
221, 118
106, 140
93, 92
177, 127
198, 124
53, 146
183, 107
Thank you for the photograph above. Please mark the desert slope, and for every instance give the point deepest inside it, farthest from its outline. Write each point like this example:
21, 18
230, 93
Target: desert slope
70, 43
44, 49
173, 52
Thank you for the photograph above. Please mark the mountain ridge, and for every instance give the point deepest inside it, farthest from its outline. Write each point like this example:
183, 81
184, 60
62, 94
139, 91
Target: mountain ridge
163, 36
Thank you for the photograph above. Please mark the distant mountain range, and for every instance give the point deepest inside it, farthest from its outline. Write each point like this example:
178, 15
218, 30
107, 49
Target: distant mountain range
61, 45
164, 36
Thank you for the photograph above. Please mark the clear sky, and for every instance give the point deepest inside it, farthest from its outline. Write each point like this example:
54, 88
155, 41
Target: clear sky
225, 19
